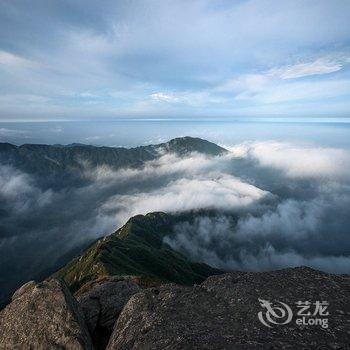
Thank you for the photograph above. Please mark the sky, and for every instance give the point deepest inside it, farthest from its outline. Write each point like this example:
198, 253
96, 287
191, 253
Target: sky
93, 60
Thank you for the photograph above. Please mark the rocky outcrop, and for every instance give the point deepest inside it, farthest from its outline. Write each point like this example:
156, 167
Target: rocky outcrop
222, 313
103, 302
43, 316
238, 310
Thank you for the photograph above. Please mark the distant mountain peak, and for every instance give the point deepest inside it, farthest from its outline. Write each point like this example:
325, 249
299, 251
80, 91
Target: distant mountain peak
74, 144
188, 144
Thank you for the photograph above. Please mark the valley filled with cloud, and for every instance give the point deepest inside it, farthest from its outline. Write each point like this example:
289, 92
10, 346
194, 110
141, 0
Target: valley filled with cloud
260, 206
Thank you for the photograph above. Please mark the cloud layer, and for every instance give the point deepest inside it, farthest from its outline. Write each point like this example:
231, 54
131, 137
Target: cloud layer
223, 192
296, 161
305, 223
293, 233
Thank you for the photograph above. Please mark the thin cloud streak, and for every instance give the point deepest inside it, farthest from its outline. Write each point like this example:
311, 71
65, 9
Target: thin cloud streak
320, 66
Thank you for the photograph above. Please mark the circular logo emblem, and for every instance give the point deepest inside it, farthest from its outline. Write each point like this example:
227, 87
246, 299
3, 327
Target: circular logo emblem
277, 313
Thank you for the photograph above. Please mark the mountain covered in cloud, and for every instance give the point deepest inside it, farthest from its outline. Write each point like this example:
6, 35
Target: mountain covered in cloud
69, 162
253, 206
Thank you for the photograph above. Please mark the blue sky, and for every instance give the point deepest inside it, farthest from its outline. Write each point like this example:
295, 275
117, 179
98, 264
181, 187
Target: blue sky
75, 60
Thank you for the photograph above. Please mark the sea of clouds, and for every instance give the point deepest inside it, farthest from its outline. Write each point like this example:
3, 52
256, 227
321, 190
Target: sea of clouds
277, 205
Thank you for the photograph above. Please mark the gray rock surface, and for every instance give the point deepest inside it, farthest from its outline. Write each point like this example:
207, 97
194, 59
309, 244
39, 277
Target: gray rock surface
222, 313
43, 316
102, 304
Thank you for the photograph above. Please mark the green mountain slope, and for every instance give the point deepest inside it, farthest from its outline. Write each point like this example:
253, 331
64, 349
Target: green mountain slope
136, 249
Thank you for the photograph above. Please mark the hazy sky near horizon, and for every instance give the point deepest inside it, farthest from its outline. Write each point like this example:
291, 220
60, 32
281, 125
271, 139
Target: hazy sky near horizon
117, 59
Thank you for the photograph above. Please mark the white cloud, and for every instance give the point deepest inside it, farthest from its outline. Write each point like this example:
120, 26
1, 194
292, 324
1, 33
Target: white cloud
297, 218
198, 181
222, 192
293, 233
259, 90
189, 98
20, 191
251, 82
191, 182
165, 97
319, 66
168, 164
298, 161
274, 86
9, 59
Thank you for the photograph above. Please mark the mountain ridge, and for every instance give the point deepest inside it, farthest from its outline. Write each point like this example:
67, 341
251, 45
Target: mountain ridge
177, 141
136, 248
64, 165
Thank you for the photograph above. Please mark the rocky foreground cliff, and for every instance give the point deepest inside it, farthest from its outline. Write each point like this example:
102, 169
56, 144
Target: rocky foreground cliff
227, 311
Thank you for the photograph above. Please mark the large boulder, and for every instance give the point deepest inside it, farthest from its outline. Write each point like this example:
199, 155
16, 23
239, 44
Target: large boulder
103, 302
222, 313
43, 316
